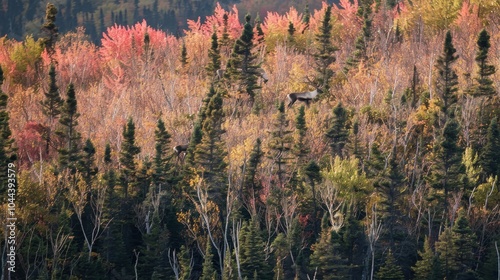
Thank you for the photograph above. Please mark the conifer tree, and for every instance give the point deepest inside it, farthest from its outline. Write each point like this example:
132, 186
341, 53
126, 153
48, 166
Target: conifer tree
428, 266
490, 154
324, 55
210, 153
161, 159
447, 250
7, 151
291, 32
390, 269
353, 144
280, 143
129, 149
465, 241
301, 148
184, 57
446, 85
306, 18
87, 162
484, 85
208, 272
214, 62
69, 154
185, 263
252, 255
362, 40
49, 29
338, 133
252, 187
242, 65
51, 106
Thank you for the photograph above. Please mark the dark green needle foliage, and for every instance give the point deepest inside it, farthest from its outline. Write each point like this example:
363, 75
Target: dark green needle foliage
338, 133
390, 270
324, 55
69, 153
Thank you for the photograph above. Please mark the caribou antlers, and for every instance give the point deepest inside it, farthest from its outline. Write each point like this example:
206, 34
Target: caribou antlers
304, 96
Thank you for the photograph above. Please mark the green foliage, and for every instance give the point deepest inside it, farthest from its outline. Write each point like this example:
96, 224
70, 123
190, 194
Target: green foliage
162, 159
484, 85
208, 272
88, 166
301, 148
51, 105
49, 29
252, 255
446, 85
214, 57
428, 266
184, 57
280, 143
7, 150
69, 153
464, 240
324, 55
338, 133
447, 250
390, 269
490, 154
129, 149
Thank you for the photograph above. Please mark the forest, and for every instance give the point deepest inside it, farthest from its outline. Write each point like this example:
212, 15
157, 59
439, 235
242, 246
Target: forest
153, 156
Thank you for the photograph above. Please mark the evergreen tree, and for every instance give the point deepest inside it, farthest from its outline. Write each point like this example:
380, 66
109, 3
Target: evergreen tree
242, 65
390, 269
69, 154
214, 57
464, 240
51, 106
301, 148
362, 40
353, 144
88, 167
446, 85
210, 153
447, 250
484, 85
280, 143
161, 160
252, 255
324, 55
338, 133
291, 31
184, 57
447, 170
185, 263
428, 266
7, 151
208, 271
50, 30
129, 149
251, 186
326, 259
490, 154
306, 18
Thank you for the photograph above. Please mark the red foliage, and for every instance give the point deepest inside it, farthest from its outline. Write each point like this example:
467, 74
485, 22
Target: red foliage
234, 27
279, 24
30, 143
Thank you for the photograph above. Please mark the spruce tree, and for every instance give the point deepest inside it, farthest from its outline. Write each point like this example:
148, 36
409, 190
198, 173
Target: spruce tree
208, 272
390, 270
465, 241
280, 143
210, 153
7, 151
251, 186
162, 159
447, 250
428, 266
242, 65
447, 84
362, 40
88, 166
214, 57
50, 30
252, 255
484, 85
490, 154
338, 133
69, 154
51, 106
324, 55
301, 148
184, 57
129, 149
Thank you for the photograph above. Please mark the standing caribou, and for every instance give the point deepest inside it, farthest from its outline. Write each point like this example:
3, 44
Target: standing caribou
219, 74
302, 96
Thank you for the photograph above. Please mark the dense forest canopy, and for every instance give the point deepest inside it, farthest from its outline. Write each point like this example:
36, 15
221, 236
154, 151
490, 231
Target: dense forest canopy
153, 156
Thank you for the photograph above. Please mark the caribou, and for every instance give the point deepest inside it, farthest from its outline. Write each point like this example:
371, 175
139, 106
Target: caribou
180, 149
219, 74
302, 96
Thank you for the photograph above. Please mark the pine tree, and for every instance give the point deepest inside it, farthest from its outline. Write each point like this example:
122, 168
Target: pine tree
390, 269
280, 143
324, 56
7, 151
214, 57
446, 85
51, 106
69, 154
129, 149
428, 266
338, 132
242, 65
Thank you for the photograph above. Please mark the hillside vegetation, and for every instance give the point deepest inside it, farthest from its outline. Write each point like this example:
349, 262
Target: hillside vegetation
137, 159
